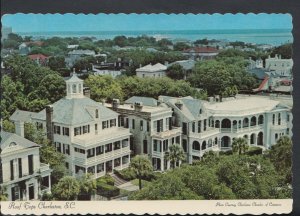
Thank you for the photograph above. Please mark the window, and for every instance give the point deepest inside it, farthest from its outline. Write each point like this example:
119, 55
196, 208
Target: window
133, 124
99, 150
67, 165
157, 146
11, 169
66, 149
287, 131
78, 168
81, 151
112, 123
204, 126
165, 145
193, 127
96, 128
117, 145
66, 131
58, 146
184, 128
279, 119
90, 153
273, 119
145, 147
56, 129
199, 126
160, 125
142, 125
184, 145
96, 113
74, 88
20, 167
276, 136
100, 167
104, 125
148, 126
77, 131
79, 90
108, 147
30, 164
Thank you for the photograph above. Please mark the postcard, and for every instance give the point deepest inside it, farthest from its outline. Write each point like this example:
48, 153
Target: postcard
146, 113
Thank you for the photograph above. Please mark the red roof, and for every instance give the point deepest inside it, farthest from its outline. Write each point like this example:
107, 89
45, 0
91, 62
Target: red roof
262, 85
38, 56
202, 50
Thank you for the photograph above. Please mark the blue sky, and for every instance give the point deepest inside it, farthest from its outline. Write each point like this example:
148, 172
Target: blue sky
124, 22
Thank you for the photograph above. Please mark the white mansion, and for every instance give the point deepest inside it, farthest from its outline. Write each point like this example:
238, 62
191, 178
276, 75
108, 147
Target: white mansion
85, 131
98, 138
22, 174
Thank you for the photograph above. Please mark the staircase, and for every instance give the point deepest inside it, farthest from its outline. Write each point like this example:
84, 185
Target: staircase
118, 180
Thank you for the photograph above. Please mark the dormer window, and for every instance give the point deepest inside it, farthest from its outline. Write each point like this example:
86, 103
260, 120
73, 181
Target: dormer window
12, 144
96, 113
200, 111
74, 88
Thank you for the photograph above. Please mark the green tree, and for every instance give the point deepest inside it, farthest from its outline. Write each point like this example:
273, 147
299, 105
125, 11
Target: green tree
58, 171
88, 186
8, 126
120, 41
175, 154
104, 87
285, 50
56, 63
239, 145
3, 193
67, 188
142, 166
168, 187
281, 157
176, 72
180, 46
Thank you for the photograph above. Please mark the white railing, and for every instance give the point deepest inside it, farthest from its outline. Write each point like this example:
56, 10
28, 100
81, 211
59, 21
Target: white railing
175, 131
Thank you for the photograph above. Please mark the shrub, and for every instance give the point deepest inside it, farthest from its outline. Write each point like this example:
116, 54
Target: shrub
107, 179
126, 174
107, 190
254, 150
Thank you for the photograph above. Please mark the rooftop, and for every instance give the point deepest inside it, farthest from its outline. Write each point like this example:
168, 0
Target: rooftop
152, 68
202, 50
147, 101
185, 64
75, 111
15, 141
38, 56
243, 105
20, 115
82, 52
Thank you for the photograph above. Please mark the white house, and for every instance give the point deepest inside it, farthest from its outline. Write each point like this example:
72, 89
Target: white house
22, 173
151, 126
282, 67
213, 125
157, 70
85, 131
75, 55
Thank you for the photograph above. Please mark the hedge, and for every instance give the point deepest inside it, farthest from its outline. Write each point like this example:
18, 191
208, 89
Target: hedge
254, 150
107, 190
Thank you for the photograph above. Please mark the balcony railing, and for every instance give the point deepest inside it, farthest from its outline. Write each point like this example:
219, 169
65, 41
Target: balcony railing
44, 167
175, 131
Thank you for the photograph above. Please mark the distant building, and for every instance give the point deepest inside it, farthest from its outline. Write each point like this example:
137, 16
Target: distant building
85, 131
24, 49
201, 53
5, 31
187, 66
72, 46
75, 55
22, 173
157, 70
282, 67
40, 59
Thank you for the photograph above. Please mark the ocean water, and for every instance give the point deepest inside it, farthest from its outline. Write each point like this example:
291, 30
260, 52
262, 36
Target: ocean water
257, 36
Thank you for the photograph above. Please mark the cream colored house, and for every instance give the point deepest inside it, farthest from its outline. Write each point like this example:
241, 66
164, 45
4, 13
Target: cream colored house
22, 173
156, 71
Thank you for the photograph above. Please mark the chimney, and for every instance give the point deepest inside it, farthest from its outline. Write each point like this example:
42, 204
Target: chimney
276, 56
49, 119
166, 63
138, 106
269, 56
179, 104
279, 56
115, 104
19, 128
87, 92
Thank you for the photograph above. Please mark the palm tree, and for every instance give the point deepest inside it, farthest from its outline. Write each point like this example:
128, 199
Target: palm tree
239, 145
175, 154
141, 166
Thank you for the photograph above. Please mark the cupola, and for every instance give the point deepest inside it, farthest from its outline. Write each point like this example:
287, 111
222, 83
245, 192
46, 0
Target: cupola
74, 87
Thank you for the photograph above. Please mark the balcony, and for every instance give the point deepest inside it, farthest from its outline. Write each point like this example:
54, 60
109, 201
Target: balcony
44, 167
175, 131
